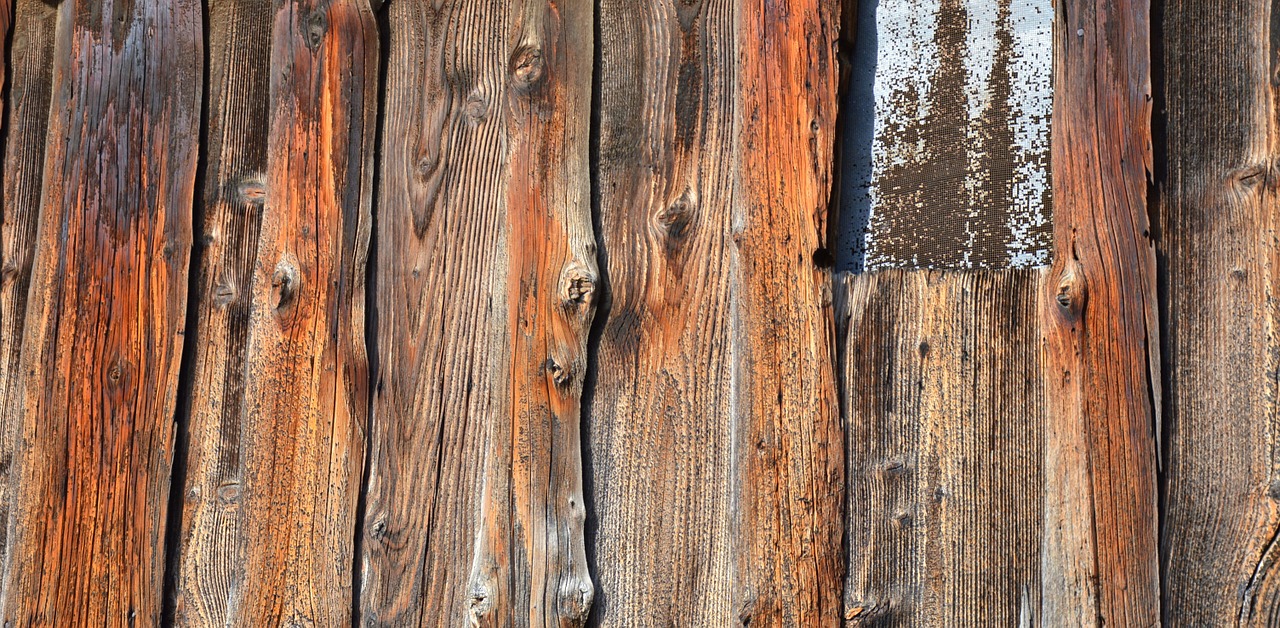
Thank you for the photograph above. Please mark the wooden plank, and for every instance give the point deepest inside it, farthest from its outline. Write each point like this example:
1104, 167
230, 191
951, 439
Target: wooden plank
944, 404
714, 428
103, 335
279, 398
952, 161
440, 295
485, 280
1218, 241
31, 65
1098, 312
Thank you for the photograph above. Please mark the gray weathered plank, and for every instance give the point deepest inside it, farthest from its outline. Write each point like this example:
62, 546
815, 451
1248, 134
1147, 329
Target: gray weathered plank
944, 413
485, 281
1218, 242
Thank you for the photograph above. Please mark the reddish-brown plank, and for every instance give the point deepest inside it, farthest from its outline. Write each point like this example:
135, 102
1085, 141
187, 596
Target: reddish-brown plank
279, 380
1098, 314
485, 279
716, 443
103, 334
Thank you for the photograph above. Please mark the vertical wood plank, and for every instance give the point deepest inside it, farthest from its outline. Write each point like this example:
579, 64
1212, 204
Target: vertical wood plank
441, 307
714, 433
789, 458
103, 334
945, 417
31, 61
1101, 331
1219, 243
279, 396
485, 279
530, 566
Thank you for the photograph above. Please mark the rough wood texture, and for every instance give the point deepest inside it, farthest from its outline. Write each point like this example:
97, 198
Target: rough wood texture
714, 428
485, 279
103, 334
944, 409
958, 151
1098, 312
31, 62
1219, 246
279, 381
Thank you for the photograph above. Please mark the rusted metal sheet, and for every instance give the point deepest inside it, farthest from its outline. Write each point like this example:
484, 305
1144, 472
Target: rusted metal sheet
950, 168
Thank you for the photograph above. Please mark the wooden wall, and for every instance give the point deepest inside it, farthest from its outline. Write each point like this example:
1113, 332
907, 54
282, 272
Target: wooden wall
528, 313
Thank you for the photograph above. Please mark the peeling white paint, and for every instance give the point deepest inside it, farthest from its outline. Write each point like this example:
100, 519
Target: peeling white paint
962, 100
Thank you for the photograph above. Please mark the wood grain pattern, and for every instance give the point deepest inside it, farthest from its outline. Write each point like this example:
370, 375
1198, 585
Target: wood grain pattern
27, 124
530, 566
485, 278
1098, 313
440, 289
279, 395
714, 427
944, 409
103, 334
1219, 246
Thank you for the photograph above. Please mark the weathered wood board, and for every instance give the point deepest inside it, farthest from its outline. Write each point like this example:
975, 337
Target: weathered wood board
27, 124
944, 414
278, 399
950, 167
1099, 316
485, 280
103, 335
1219, 249
714, 435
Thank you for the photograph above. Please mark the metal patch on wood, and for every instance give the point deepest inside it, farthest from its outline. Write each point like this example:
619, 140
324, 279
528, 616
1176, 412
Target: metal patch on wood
950, 169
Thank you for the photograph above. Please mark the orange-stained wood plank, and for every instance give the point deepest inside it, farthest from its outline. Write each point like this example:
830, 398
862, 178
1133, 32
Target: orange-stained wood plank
717, 451
1098, 314
944, 410
485, 280
279, 378
103, 334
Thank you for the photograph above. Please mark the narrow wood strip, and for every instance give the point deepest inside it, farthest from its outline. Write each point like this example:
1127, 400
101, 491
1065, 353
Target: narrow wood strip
1218, 243
280, 399
31, 59
945, 418
1101, 331
103, 333
715, 433
954, 154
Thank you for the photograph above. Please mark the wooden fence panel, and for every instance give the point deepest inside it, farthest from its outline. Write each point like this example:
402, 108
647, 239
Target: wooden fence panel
1219, 248
103, 335
279, 399
1099, 317
485, 277
944, 413
714, 432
